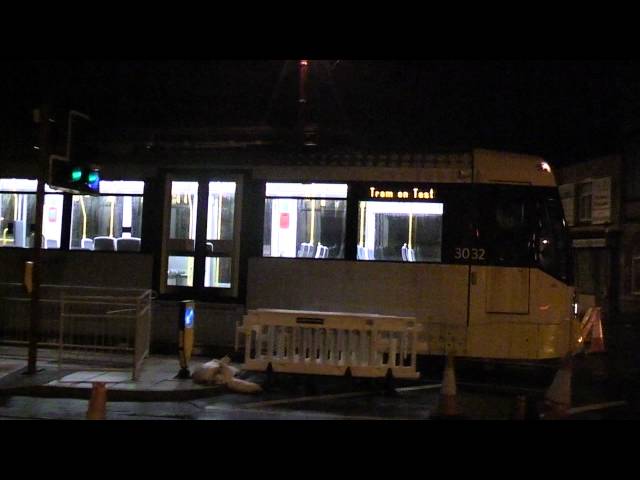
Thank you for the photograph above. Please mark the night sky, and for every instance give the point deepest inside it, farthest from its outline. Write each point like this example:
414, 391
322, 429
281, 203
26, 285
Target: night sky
561, 109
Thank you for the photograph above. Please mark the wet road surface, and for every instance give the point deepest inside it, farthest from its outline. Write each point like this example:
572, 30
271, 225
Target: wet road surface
483, 394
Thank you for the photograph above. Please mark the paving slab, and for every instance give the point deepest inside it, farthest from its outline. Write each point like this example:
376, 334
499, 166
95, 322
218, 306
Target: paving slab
112, 377
79, 377
8, 367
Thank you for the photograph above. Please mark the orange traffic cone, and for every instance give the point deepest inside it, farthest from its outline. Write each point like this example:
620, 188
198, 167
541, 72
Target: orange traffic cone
448, 408
597, 337
557, 400
98, 402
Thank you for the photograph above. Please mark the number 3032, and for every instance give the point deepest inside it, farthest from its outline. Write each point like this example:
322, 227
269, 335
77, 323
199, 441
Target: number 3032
469, 253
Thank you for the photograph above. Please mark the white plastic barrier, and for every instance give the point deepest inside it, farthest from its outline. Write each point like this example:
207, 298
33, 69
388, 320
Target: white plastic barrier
329, 343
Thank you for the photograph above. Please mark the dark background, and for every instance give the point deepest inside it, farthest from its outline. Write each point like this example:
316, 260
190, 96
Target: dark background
561, 109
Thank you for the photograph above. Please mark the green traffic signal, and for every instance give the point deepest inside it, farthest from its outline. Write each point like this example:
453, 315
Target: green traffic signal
80, 174
75, 178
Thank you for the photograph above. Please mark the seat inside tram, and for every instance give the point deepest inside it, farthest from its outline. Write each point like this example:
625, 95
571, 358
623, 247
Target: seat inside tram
111, 244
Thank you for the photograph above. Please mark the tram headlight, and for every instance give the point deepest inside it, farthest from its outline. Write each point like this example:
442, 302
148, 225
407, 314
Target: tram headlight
545, 167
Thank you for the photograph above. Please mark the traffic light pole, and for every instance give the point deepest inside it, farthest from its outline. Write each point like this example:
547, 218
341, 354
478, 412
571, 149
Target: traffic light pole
36, 311
73, 114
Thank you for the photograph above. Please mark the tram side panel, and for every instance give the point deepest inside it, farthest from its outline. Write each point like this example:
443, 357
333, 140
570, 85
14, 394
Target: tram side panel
499, 299
515, 313
435, 294
551, 302
518, 313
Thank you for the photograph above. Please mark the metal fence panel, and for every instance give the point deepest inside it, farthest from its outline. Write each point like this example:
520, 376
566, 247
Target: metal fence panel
93, 326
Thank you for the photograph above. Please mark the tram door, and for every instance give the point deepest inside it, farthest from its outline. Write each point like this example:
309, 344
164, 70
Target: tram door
201, 234
499, 278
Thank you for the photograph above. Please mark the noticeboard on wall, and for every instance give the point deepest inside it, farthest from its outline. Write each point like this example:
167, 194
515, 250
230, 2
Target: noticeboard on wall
601, 200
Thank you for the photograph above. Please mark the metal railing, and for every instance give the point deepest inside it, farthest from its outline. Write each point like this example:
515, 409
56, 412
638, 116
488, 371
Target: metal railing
93, 326
329, 343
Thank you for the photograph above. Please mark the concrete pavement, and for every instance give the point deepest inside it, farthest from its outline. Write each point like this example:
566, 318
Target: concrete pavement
156, 382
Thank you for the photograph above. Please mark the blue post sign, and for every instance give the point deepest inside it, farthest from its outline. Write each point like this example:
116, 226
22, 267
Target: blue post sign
186, 320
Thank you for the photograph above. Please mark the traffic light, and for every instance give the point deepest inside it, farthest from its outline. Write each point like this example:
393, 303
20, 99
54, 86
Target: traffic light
73, 177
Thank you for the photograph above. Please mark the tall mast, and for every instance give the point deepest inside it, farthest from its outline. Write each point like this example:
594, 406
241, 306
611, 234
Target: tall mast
302, 99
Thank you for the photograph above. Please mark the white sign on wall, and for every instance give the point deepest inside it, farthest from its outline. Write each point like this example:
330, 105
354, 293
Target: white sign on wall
601, 200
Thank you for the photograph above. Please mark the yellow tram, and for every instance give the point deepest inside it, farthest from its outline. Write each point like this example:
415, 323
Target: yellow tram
473, 246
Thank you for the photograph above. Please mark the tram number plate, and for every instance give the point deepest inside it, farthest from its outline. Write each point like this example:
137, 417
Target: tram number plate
463, 253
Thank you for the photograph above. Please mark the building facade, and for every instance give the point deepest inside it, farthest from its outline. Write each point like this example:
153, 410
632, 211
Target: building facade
601, 200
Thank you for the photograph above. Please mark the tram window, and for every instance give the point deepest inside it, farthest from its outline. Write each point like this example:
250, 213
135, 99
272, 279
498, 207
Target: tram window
510, 216
184, 216
220, 211
18, 213
511, 233
552, 249
180, 272
220, 234
116, 214
505, 226
217, 272
400, 231
305, 220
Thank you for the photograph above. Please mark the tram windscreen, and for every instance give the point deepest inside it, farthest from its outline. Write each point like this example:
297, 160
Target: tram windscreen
505, 227
553, 249
400, 231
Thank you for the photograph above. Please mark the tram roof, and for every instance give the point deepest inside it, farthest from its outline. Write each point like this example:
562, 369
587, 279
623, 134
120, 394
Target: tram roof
141, 152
